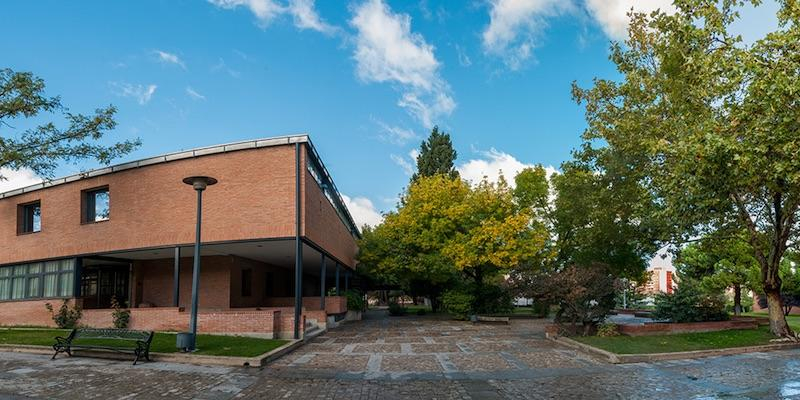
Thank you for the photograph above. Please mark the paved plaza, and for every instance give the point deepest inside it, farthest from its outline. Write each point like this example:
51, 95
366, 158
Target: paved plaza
412, 358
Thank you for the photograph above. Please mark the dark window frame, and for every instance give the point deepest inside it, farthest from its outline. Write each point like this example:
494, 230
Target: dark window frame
88, 205
25, 217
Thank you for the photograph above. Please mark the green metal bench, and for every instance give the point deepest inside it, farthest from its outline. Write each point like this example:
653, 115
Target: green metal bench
119, 340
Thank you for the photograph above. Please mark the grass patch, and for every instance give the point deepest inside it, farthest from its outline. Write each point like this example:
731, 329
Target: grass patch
680, 341
209, 345
792, 320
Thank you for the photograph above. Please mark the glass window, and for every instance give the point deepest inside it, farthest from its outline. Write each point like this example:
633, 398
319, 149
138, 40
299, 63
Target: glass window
5, 288
18, 288
65, 283
33, 286
97, 203
50, 285
30, 216
247, 282
47, 279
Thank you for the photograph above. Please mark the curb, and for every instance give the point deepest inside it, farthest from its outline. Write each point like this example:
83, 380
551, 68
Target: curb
614, 358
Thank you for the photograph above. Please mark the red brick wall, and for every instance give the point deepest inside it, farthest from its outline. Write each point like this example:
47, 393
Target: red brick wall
333, 304
669, 328
30, 313
154, 280
323, 225
151, 207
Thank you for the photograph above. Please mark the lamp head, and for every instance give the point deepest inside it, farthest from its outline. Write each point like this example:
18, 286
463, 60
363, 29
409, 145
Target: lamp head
199, 182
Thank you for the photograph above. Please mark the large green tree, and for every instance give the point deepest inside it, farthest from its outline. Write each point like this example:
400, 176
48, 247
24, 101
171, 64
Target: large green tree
445, 230
436, 156
709, 125
42, 147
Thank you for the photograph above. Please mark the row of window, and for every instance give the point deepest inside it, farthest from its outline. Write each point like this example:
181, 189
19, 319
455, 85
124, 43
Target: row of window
38, 280
95, 207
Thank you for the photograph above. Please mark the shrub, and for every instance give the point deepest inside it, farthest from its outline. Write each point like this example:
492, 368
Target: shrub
121, 316
690, 304
355, 300
67, 317
421, 311
458, 304
584, 295
395, 309
607, 329
541, 309
493, 299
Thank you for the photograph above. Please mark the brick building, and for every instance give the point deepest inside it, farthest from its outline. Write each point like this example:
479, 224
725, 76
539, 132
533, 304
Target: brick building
127, 231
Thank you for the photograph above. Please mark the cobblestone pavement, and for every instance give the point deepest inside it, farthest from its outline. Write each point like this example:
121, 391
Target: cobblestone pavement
413, 358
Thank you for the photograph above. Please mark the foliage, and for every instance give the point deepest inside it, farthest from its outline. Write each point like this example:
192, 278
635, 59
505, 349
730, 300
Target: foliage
422, 311
444, 231
607, 329
629, 294
436, 156
688, 303
396, 309
707, 125
355, 300
719, 264
121, 317
42, 147
458, 303
67, 316
541, 309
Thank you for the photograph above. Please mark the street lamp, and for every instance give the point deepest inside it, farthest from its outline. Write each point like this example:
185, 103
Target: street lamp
187, 340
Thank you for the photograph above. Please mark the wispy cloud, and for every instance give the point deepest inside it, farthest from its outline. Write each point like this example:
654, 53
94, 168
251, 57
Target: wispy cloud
194, 94
408, 169
387, 51
222, 66
303, 12
394, 134
11, 179
515, 27
141, 93
169, 58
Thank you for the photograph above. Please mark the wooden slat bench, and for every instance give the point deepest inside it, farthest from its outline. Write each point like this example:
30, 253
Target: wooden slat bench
119, 340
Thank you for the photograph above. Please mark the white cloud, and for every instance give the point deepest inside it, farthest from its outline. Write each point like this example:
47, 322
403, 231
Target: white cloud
17, 179
363, 211
222, 66
142, 93
493, 164
306, 17
194, 94
264, 10
394, 134
169, 58
515, 27
302, 11
387, 51
612, 15
407, 167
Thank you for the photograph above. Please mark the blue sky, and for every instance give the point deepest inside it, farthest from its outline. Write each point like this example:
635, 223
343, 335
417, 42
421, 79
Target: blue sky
365, 78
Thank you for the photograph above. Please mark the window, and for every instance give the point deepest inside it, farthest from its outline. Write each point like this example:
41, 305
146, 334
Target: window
247, 282
47, 279
96, 205
29, 218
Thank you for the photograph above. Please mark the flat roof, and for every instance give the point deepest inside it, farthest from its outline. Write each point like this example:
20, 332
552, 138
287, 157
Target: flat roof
336, 197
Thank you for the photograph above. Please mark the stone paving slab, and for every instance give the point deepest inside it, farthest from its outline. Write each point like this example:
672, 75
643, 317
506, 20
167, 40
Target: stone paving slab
413, 358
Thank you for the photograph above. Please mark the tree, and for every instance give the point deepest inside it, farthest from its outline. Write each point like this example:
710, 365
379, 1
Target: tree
41, 148
445, 231
708, 125
718, 264
436, 156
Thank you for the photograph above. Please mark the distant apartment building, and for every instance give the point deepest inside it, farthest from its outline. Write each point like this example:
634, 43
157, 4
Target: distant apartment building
660, 280
275, 230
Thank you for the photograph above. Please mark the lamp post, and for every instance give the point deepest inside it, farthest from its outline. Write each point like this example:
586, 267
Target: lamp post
187, 340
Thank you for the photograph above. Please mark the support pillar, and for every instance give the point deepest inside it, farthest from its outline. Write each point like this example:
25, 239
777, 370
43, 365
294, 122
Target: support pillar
337, 279
176, 278
346, 280
322, 282
298, 249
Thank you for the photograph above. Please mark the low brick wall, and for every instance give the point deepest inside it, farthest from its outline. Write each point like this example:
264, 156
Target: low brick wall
333, 304
28, 313
662, 328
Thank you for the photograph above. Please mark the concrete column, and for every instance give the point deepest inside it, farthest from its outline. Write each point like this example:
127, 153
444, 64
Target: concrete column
337, 278
176, 278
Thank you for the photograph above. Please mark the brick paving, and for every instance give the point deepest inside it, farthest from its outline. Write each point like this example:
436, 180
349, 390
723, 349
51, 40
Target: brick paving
412, 358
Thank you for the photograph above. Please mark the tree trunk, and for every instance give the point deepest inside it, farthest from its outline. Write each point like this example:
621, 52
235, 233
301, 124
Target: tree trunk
777, 321
737, 299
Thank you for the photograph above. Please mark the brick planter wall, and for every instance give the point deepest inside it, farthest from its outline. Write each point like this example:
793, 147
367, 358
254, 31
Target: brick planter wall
333, 304
660, 328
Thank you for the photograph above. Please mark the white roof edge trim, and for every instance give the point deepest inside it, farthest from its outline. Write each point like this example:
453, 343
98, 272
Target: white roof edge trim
164, 158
